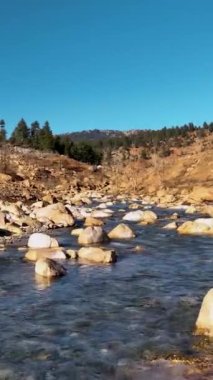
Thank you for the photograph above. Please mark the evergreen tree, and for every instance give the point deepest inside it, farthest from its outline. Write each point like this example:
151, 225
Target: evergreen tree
21, 134
2, 131
46, 139
34, 134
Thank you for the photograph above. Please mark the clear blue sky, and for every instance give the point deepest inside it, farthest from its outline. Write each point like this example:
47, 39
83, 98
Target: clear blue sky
107, 64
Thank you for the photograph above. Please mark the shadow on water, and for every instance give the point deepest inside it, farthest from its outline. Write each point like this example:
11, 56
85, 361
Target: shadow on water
108, 322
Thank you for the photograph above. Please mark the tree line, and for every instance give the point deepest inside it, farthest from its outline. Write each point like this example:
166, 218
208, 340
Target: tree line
42, 138
160, 141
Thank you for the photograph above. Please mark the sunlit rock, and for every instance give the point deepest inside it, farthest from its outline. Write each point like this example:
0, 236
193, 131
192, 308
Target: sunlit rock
77, 231
197, 227
134, 216
92, 235
97, 255
122, 231
40, 240
170, 226
55, 213
42, 253
204, 323
149, 217
90, 221
49, 268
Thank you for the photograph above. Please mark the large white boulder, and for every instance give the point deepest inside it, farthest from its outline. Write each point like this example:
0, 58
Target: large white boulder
40, 240
92, 235
49, 268
97, 255
204, 323
122, 231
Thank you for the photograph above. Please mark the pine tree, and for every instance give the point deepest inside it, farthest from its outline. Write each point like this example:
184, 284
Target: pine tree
34, 134
21, 134
46, 139
2, 131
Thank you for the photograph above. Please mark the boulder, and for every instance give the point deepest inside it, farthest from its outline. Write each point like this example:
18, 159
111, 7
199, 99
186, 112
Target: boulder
55, 213
149, 217
122, 231
40, 240
198, 227
97, 255
49, 268
204, 323
90, 221
134, 216
43, 253
146, 217
92, 235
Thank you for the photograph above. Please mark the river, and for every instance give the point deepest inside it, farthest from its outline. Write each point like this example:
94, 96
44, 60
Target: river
130, 320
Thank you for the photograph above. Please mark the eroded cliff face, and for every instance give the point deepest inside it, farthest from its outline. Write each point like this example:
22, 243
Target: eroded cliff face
31, 175
186, 175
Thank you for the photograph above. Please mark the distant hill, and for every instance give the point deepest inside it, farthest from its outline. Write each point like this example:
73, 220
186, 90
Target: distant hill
95, 135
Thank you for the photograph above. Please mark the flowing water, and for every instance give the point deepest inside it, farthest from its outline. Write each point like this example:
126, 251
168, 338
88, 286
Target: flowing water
113, 321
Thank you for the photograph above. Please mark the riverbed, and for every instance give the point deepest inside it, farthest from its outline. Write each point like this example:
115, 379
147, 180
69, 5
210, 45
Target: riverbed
130, 320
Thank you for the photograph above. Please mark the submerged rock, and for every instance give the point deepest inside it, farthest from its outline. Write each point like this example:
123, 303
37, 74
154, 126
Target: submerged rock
49, 268
92, 235
97, 255
204, 323
122, 231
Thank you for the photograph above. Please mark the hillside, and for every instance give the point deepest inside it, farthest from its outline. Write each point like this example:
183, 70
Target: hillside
29, 174
94, 135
